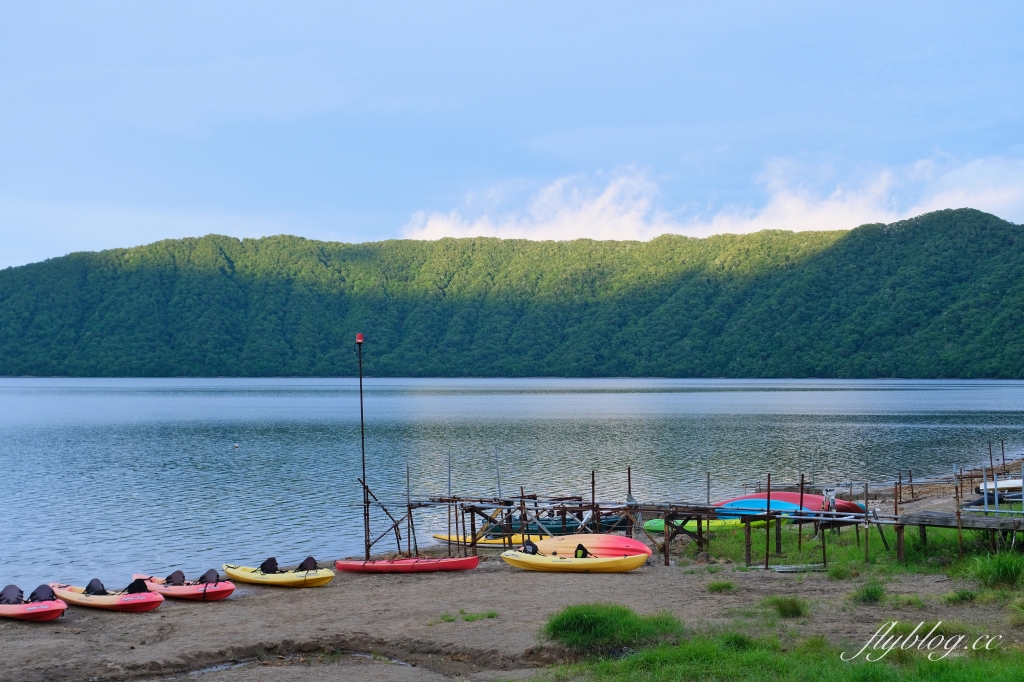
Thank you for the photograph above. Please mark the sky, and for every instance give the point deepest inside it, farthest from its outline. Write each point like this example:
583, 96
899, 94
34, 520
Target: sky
126, 123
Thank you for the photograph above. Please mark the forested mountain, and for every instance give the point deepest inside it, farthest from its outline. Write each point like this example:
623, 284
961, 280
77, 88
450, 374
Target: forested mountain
941, 295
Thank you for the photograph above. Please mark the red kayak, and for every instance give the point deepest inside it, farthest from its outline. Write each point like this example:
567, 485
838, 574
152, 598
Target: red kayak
815, 502
411, 565
190, 589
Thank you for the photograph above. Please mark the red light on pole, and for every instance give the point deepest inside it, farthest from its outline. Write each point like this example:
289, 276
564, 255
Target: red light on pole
359, 338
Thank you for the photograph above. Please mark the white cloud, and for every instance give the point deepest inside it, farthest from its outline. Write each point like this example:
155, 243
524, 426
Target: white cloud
626, 208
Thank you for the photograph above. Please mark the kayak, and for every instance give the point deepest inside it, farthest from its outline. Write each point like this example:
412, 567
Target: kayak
41, 605
190, 590
658, 525
249, 574
565, 564
488, 540
411, 565
750, 506
37, 611
134, 603
600, 544
811, 502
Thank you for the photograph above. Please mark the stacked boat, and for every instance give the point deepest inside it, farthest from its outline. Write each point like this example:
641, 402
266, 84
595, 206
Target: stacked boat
581, 553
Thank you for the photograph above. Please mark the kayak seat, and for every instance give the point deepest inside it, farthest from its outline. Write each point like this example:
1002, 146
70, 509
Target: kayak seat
11, 594
42, 593
95, 588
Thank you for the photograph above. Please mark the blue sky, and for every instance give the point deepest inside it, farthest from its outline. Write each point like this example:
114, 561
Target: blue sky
125, 123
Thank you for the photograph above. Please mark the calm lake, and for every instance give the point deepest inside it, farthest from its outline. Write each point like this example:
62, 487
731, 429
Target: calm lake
104, 477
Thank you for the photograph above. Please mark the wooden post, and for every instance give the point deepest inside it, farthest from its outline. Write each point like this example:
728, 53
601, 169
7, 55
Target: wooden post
746, 535
867, 527
629, 498
768, 523
778, 536
991, 464
668, 537
959, 532
899, 480
895, 499
922, 530
700, 533
856, 528
824, 558
910, 474
593, 498
472, 529
1002, 448
899, 543
800, 520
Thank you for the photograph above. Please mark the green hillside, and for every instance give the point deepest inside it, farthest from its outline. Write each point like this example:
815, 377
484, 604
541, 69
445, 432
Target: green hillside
941, 295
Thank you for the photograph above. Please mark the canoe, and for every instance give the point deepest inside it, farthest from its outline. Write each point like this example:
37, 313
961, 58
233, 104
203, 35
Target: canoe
36, 611
600, 544
811, 502
658, 525
411, 565
249, 574
751, 506
190, 590
564, 564
133, 603
487, 540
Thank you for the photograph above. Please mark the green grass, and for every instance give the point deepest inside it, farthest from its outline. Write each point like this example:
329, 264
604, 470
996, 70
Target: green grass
961, 596
728, 657
871, 592
1017, 613
998, 570
593, 628
787, 607
470, 617
908, 600
443, 618
720, 586
839, 572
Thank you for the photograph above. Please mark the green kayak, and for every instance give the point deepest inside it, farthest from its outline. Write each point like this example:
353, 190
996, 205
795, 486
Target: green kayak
658, 525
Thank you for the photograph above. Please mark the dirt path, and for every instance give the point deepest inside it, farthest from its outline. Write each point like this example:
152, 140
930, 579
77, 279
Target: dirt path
393, 615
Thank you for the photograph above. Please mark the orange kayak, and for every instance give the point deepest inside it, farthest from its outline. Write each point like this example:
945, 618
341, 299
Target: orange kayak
142, 601
190, 590
599, 544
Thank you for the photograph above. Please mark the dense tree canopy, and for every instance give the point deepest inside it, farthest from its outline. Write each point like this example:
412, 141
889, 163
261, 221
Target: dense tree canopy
941, 295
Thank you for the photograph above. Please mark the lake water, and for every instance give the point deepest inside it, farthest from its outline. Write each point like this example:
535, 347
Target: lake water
104, 477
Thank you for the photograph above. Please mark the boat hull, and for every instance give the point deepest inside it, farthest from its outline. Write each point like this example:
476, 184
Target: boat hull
130, 603
38, 611
599, 544
249, 574
194, 591
561, 564
412, 565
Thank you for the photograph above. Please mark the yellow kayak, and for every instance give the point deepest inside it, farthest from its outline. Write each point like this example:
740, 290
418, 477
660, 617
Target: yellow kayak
486, 541
248, 574
564, 564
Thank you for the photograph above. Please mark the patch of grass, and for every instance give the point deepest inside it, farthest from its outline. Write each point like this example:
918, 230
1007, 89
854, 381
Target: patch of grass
871, 592
720, 586
1017, 613
714, 569
946, 628
788, 607
908, 600
999, 570
959, 597
443, 618
599, 627
839, 572
736, 657
470, 617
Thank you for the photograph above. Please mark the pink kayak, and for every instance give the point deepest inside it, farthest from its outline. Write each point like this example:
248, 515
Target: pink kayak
815, 502
603, 545
190, 590
411, 565
34, 611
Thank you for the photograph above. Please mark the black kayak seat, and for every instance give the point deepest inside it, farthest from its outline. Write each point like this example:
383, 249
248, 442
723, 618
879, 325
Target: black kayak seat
210, 576
95, 588
11, 594
137, 586
269, 566
308, 564
176, 579
42, 593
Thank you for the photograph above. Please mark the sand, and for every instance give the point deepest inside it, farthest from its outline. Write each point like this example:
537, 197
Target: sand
282, 634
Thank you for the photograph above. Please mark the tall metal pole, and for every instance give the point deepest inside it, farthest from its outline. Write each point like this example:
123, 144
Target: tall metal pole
362, 442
